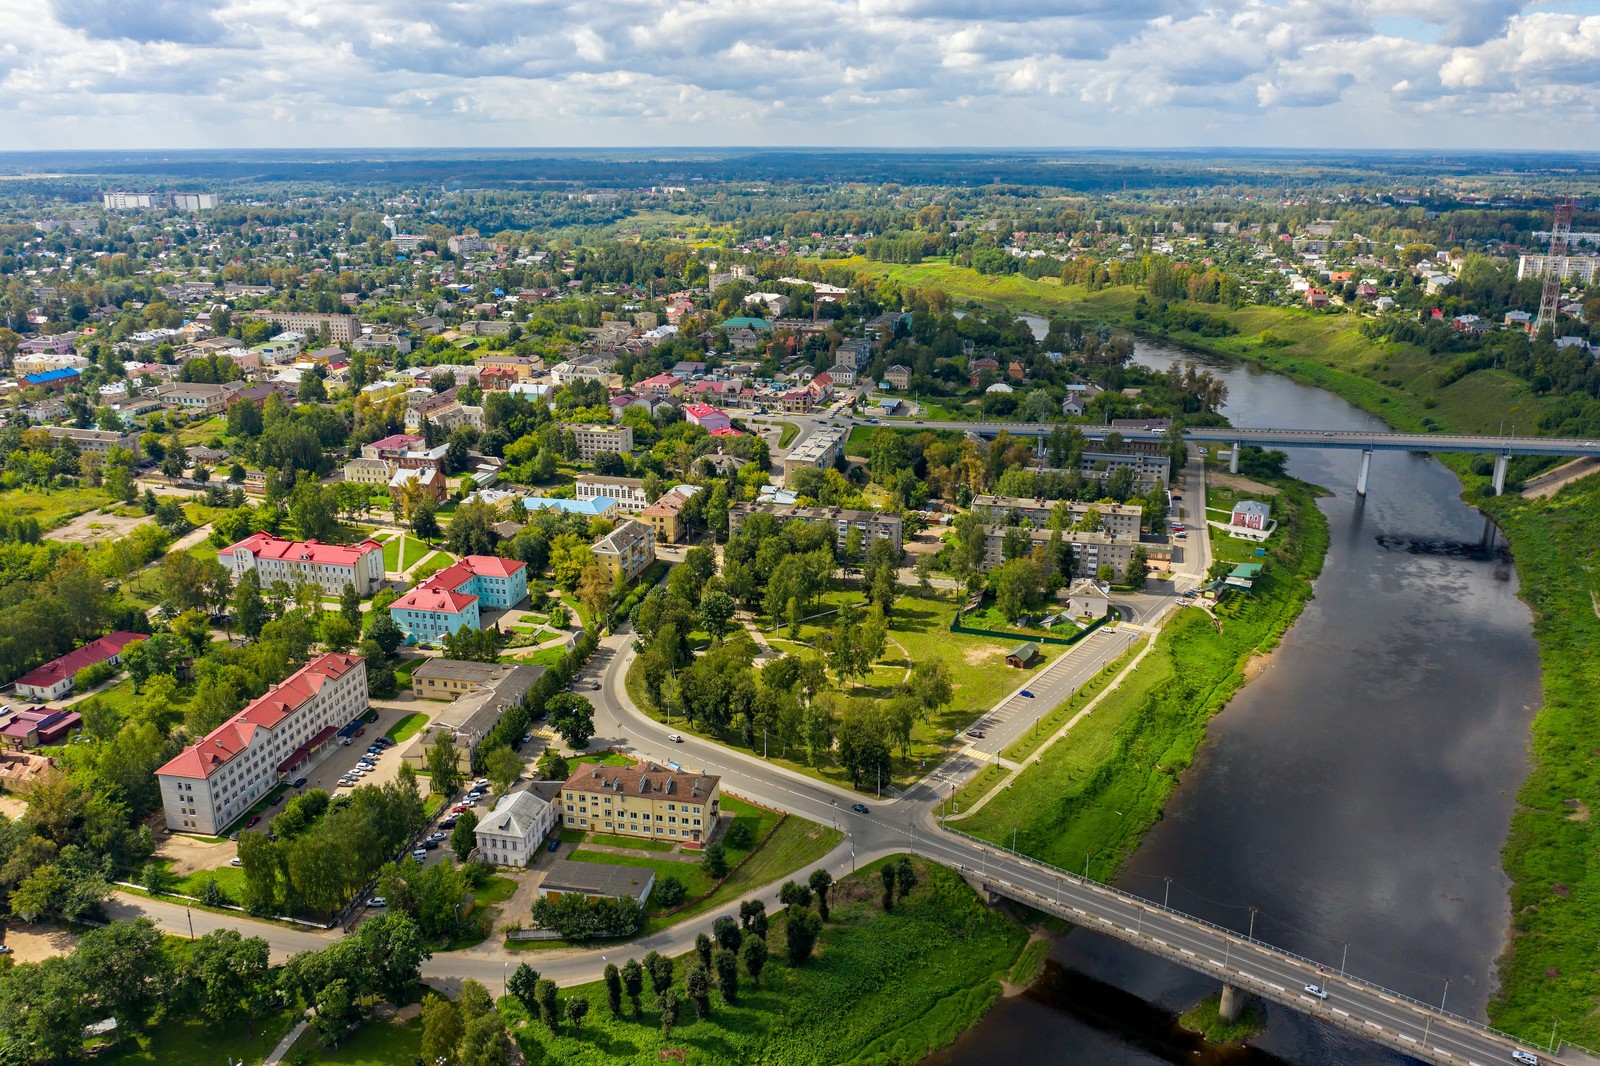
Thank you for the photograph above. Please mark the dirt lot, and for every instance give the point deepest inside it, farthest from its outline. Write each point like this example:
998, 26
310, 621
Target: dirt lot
1239, 484
190, 855
35, 943
95, 526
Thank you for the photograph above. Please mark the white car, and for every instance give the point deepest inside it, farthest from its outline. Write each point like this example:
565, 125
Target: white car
675, 738
1525, 1056
1316, 990
377, 901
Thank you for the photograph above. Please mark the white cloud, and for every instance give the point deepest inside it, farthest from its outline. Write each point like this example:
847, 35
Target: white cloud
78, 73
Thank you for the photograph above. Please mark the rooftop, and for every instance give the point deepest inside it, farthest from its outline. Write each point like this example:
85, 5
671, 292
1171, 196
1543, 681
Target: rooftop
597, 879
642, 779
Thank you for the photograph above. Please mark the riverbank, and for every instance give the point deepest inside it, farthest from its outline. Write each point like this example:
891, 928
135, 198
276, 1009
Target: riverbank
1090, 798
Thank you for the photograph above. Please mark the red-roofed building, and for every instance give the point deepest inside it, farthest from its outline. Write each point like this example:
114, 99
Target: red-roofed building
391, 447
452, 599
660, 385
329, 566
54, 679
210, 784
706, 417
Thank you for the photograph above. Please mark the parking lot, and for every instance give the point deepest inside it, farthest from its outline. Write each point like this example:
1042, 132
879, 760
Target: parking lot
340, 759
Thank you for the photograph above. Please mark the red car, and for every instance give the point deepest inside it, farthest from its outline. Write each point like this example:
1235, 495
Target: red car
461, 808
361, 732
253, 820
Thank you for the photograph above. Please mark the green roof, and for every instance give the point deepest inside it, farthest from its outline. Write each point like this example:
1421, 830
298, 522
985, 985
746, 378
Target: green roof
1024, 651
745, 322
1246, 570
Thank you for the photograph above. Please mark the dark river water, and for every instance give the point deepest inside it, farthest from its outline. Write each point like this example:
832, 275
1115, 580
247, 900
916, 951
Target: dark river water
1358, 790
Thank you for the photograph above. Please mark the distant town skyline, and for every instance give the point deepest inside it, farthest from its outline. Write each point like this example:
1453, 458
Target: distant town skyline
1491, 74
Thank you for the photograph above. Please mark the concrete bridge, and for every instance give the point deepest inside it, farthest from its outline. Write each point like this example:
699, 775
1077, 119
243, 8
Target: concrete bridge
1502, 447
1246, 966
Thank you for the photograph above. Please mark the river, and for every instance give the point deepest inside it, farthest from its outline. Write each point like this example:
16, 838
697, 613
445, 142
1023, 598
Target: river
1359, 789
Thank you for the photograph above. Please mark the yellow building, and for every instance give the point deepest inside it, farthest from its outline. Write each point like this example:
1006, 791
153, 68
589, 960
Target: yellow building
642, 800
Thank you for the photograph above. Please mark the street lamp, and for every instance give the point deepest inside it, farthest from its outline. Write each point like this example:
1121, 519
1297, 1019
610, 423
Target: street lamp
1167, 895
1446, 993
1553, 1026
1252, 935
1344, 957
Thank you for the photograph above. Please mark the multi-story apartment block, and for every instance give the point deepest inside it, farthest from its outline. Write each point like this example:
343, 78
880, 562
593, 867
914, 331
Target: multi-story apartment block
198, 397
466, 244
194, 201
1118, 518
1089, 550
819, 451
99, 441
1579, 268
1148, 470
626, 551
127, 201
627, 491
596, 440
643, 800
453, 598
328, 566
342, 329
210, 784
874, 525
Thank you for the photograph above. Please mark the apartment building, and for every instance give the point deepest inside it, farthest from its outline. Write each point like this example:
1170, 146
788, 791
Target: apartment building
512, 833
1579, 268
329, 566
210, 784
342, 329
596, 440
199, 398
665, 516
628, 492
127, 201
874, 525
1118, 518
98, 441
1148, 470
447, 679
642, 800
453, 598
626, 551
1089, 550
819, 451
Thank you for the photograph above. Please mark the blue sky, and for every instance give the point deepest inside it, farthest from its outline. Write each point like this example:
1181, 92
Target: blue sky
1488, 74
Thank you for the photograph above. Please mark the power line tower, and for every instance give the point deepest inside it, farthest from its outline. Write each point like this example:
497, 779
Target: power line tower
1555, 267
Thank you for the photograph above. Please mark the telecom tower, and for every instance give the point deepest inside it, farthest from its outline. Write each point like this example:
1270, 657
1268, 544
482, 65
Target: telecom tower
1555, 268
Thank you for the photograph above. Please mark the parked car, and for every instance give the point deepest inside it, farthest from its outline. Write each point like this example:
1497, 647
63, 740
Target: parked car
255, 819
299, 782
480, 784
361, 732
419, 853
975, 734
377, 901
555, 845
860, 808
461, 808
235, 861
430, 844
437, 836
450, 822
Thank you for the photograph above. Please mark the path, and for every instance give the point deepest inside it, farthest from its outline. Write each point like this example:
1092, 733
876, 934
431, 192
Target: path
1553, 481
286, 1043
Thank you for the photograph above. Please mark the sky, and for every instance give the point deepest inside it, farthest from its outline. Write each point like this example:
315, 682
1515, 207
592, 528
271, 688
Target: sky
1462, 74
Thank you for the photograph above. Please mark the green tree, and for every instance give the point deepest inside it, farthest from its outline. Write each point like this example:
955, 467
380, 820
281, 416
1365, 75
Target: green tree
249, 609
572, 717
545, 995
726, 965
659, 967
350, 605
905, 876
633, 982
716, 611
577, 1008
441, 1029
227, 974
801, 928
464, 837
444, 763
714, 861
425, 521
888, 872
385, 633
613, 980
671, 1005
503, 768
820, 881
523, 985
697, 985
552, 767
754, 956
726, 932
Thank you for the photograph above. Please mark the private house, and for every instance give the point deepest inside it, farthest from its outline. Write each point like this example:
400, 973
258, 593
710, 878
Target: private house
210, 784
198, 398
55, 678
1023, 655
1087, 598
1250, 514
641, 800
511, 834
706, 417
328, 566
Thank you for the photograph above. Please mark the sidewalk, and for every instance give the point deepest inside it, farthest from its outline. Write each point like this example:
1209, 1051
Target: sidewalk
286, 1043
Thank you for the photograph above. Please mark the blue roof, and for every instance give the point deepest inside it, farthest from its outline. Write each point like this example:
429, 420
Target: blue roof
47, 376
594, 508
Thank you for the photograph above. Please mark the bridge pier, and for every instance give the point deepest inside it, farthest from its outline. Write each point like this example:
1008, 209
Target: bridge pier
1232, 1004
1366, 468
1500, 462
1233, 459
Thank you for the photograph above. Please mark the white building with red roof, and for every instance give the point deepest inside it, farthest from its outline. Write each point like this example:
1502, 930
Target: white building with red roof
54, 679
706, 417
211, 784
329, 566
453, 598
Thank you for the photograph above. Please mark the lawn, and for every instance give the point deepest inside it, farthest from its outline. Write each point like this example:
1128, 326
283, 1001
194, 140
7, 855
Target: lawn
52, 507
184, 1041
429, 566
886, 988
1063, 712
693, 877
377, 1043
787, 433
612, 840
407, 727
403, 672
229, 878
975, 789
496, 889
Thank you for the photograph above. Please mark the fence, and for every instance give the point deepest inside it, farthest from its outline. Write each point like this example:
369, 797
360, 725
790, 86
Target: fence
957, 627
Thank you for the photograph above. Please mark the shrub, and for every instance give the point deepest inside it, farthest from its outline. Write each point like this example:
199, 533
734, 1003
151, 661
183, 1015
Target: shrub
669, 892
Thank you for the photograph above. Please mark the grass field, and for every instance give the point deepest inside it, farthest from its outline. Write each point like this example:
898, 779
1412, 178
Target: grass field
884, 988
375, 1044
1046, 727
52, 507
407, 727
1100, 788
183, 1041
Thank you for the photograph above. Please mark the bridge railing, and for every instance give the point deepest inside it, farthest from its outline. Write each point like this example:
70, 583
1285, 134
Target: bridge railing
1139, 901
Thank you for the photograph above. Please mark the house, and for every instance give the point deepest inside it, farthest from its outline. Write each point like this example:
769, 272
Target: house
1250, 514
452, 599
512, 833
1087, 598
1023, 655
819, 451
596, 507
52, 379
197, 397
329, 566
55, 678
1519, 319
1317, 298
473, 713
641, 800
449, 679
706, 417
627, 551
23, 727
660, 385
843, 374
597, 880
429, 479
1243, 576
212, 783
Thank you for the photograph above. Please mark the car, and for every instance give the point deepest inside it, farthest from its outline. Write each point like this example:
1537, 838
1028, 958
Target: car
450, 822
377, 901
345, 742
255, 819
419, 853
235, 861
361, 732
1180, 536
480, 784
975, 734
430, 844
385, 742
1327, 433
5, 949
1177, 496
437, 836
372, 716
526, 737
461, 808
1526, 1057
594, 686
555, 845
860, 808
1025, 694
675, 738
299, 782
1316, 990
233, 835
359, 771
